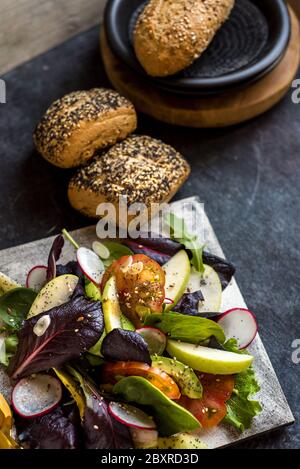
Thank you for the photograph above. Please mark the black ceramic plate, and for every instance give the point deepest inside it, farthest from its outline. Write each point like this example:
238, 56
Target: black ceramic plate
249, 45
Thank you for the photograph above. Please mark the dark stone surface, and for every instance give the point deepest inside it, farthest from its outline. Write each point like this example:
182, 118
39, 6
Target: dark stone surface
248, 176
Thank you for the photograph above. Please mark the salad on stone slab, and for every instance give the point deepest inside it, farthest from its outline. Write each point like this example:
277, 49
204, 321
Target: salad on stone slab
125, 347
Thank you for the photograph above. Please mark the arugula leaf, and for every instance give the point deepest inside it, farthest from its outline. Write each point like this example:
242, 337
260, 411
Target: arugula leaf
14, 307
116, 251
191, 329
241, 409
170, 417
180, 233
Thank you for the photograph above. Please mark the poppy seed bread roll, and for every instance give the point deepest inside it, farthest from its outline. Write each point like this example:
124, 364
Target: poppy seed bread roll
80, 123
170, 34
142, 168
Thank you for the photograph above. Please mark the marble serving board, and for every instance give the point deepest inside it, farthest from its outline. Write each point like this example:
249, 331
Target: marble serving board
16, 262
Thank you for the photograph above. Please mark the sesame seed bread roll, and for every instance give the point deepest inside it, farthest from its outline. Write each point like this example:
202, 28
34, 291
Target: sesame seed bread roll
80, 123
142, 168
170, 34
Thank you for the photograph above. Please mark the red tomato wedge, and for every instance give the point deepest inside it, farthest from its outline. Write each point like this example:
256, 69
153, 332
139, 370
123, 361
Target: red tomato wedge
112, 372
211, 409
140, 284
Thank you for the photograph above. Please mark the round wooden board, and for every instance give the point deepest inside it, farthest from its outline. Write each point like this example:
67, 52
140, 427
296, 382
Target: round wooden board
220, 111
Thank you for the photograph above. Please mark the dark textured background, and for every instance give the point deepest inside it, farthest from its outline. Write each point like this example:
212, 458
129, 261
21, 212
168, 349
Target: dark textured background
248, 176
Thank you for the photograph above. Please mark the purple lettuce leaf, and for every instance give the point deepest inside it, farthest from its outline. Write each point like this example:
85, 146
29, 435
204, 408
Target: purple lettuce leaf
224, 268
51, 431
74, 327
71, 267
101, 430
54, 256
188, 304
160, 257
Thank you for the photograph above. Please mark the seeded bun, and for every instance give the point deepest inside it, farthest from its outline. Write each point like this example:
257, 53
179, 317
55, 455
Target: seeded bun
142, 168
170, 34
80, 123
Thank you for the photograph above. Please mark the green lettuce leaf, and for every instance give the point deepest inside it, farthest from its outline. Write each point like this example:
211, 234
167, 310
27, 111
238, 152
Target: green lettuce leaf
8, 347
241, 409
191, 329
180, 233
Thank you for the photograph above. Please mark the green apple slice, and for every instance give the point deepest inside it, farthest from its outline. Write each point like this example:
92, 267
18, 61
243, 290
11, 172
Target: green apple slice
55, 293
177, 271
211, 288
209, 360
113, 316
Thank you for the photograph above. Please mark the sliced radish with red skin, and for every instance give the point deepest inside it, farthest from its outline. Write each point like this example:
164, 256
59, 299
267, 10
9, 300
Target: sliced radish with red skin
240, 324
90, 264
131, 416
156, 339
37, 277
36, 395
168, 301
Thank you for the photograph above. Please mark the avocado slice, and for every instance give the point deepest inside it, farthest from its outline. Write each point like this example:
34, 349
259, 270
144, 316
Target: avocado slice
181, 441
183, 375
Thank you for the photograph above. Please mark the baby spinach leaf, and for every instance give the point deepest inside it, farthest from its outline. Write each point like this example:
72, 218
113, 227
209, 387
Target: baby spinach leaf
191, 329
71, 329
116, 250
170, 417
14, 307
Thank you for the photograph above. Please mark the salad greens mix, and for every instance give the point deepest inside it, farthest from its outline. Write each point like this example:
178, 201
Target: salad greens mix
125, 347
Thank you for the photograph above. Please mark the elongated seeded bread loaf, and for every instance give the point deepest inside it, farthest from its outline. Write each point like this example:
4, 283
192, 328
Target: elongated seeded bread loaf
80, 123
171, 34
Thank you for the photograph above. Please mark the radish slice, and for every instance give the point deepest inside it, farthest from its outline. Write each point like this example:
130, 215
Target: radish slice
131, 416
156, 340
91, 265
240, 324
37, 277
168, 301
36, 395
101, 250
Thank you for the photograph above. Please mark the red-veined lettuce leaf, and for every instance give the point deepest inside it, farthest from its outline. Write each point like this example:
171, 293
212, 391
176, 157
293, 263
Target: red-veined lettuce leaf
74, 327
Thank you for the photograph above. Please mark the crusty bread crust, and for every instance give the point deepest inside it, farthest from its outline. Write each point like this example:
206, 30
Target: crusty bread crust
144, 169
171, 34
80, 123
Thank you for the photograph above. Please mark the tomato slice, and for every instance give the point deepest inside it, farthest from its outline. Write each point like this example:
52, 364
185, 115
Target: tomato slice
208, 410
140, 284
112, 372
211, 409
220, 386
